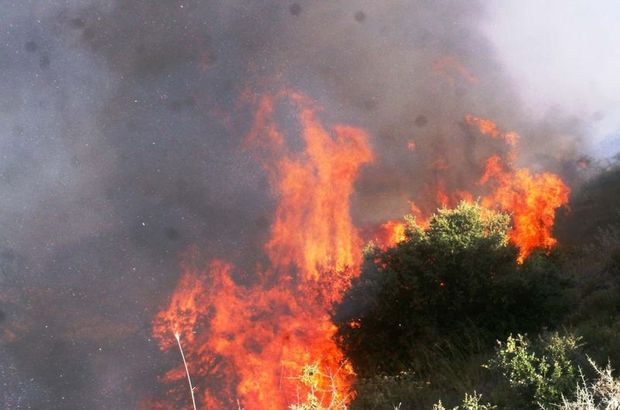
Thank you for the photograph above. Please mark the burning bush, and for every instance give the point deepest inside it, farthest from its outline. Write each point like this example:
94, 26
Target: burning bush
456, 280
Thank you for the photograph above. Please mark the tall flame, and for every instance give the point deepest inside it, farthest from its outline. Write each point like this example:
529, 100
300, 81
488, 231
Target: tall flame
531, 199
250, 342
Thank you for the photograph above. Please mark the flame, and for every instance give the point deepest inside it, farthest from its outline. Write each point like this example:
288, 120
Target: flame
442, 198
312, 229
392, 232
450, 65
250, 343
492, 169
530, 198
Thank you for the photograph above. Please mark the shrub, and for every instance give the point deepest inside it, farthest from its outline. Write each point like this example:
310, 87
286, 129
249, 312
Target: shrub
602, 394
540, 374
318, 398
457, 280
470, 402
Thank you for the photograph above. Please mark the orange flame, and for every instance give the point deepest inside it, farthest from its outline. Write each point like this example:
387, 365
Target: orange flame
492, 169
442, 197
313, 230
251, 342
392, 232
531, 198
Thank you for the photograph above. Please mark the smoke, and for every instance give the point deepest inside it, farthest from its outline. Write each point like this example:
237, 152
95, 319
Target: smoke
122, 145
573, 70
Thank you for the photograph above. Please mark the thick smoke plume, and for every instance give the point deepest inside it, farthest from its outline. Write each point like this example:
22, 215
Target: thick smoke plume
122, 145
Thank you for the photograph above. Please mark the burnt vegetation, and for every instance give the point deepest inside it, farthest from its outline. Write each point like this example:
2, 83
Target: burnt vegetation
448, 319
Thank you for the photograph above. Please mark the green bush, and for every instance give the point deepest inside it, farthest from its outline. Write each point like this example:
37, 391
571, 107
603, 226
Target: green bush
455, 283
538, 374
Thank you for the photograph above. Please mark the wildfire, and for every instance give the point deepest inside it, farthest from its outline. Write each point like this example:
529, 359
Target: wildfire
531, 198
392, 232
251, 343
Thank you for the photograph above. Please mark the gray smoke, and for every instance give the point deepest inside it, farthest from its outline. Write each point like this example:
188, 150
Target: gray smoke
121, 140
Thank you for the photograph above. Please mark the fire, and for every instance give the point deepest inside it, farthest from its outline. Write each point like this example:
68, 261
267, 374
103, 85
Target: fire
531, 199
489, 128
252, 342
269, 344
313, 231
442, 197
392, 232
492, 169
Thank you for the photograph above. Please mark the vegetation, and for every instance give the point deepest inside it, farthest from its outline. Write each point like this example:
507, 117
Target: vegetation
422, 322
317, 398
456, 283
470, 402
602, 393
540, 374
593, 207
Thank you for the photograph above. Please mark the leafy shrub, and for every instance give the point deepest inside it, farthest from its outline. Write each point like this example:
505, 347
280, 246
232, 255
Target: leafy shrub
456, 282
540, 374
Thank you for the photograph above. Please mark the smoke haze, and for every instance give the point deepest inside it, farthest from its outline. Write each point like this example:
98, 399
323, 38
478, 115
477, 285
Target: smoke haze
122, 145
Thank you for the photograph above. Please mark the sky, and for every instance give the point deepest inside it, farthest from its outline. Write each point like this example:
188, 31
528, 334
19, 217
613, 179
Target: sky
565, 56
122, 127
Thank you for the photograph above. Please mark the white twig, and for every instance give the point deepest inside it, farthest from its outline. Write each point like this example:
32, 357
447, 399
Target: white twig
177, 336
